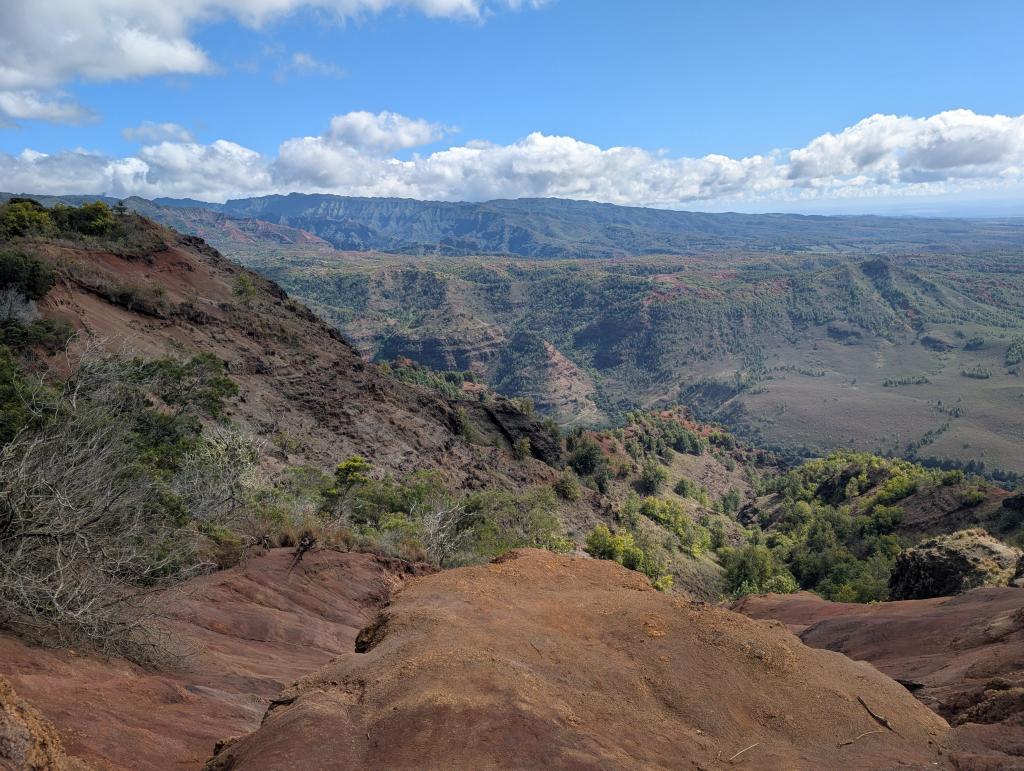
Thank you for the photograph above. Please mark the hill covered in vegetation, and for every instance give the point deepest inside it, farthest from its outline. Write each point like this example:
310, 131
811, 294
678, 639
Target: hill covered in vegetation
804, 354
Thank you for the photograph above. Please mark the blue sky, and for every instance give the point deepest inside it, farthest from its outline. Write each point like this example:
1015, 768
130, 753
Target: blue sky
672, 80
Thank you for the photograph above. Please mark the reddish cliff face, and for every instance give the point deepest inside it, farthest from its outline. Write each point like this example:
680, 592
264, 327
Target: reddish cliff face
545, 661
962, 656
242, 634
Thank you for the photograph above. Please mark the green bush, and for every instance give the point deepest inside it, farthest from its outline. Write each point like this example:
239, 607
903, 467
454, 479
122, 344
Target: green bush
586, 457
972, 497
652, 476
731, 501
953, 477
24, 217
568, 486
1015, 352
693, 538
753, 569
244, 289
26, 274
90, 219
621, 547
685, 488
521, 449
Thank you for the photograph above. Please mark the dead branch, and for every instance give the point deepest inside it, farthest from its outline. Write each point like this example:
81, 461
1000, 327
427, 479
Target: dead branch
755, 744
856, 738
878, 718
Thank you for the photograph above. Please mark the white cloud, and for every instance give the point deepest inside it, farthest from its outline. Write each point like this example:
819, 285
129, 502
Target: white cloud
31, 105
307, 63
44, 45
301, 63
881, 157
381, 132
890, 149
149, 132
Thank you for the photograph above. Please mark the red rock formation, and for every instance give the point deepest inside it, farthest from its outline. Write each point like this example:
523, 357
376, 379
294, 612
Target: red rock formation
963, 656
546, 661
244, 633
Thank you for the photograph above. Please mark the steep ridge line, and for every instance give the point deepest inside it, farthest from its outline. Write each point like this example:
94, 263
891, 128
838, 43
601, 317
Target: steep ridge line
298, 377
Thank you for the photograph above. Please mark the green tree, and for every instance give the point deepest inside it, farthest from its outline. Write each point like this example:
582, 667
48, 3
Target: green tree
25, 218
568, 486
26, 274
652, 476
244, 289
586, 457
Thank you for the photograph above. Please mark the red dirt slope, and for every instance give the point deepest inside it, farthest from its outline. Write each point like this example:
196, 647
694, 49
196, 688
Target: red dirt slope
249, 631
963, 656
547, 661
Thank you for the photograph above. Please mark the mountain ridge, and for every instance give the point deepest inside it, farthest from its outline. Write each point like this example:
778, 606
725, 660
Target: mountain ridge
557, 228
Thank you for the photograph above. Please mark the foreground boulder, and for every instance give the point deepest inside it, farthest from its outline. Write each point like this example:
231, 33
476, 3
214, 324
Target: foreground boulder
28, 741
951, 564
546, 661
962, 656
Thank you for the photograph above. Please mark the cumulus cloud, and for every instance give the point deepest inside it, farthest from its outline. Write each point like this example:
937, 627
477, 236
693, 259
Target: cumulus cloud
44, 45
149, 132
31, 105
883, 155
892, 150
381, 132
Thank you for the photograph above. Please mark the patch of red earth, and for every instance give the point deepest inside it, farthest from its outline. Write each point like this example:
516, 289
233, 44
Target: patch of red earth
246, 633
963, 656
539, 660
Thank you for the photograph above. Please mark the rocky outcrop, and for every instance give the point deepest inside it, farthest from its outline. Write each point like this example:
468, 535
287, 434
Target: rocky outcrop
539, 660
951, 564
959, 655
28, 742
241, 635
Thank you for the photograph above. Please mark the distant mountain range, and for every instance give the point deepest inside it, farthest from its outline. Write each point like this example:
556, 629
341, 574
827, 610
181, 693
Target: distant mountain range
550, 228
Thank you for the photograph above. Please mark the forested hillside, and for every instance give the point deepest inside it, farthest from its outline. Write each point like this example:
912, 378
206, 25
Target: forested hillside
802, 353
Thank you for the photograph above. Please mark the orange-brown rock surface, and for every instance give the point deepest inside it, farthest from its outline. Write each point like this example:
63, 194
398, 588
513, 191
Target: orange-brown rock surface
963, 656
246, 633
545, 661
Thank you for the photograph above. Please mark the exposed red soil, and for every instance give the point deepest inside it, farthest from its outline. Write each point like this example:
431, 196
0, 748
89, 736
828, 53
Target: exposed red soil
963, 656
545, 661
247, 632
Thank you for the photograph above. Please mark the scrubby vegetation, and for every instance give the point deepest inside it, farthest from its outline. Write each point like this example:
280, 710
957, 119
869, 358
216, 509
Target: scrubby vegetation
835, 528
25, 218
893, 382
621, 547
1015, 352
448, 383
420, 518
978, 373
113, 485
